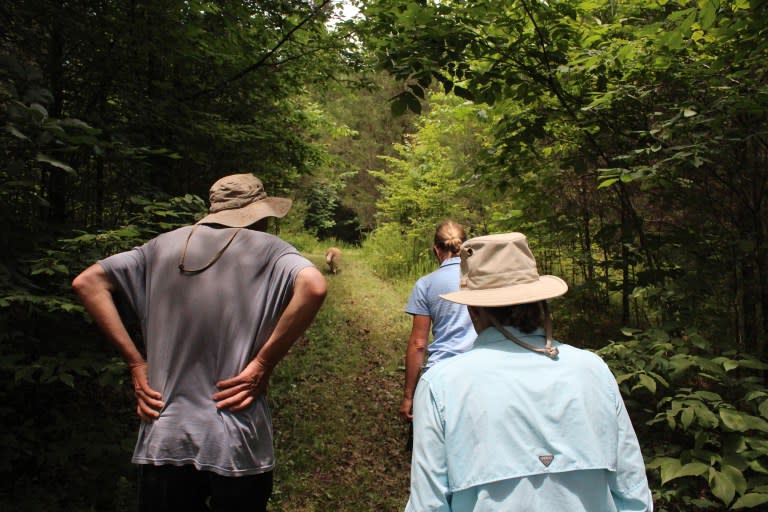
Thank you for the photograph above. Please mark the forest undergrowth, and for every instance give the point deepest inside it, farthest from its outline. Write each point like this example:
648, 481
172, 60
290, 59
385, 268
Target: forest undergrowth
340, 445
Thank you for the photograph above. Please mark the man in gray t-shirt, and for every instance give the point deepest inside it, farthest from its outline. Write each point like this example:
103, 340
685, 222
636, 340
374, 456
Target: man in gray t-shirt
219, 305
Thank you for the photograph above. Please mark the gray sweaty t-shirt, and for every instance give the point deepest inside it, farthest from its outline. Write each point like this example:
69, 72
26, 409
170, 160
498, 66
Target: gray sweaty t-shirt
200, 329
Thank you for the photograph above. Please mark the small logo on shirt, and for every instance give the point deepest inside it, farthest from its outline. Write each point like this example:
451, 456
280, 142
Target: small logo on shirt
546, 459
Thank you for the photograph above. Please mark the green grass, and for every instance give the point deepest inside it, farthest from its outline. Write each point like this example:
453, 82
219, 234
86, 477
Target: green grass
338, 438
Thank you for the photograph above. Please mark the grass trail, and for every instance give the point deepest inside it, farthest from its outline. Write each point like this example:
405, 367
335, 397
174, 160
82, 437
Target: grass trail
338, 438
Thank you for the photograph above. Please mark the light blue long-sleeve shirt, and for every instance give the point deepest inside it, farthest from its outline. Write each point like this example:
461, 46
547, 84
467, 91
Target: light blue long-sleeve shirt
502, 428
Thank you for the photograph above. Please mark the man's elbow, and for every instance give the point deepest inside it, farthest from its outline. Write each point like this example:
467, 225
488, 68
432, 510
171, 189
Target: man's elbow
87, 281
313, 284
418, 344
80, 284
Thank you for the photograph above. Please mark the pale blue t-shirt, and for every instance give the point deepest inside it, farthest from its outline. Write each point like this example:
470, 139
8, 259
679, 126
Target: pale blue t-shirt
502, 428
200, 329
452, 329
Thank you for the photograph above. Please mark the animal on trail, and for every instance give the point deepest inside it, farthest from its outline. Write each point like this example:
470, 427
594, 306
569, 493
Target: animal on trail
333, 258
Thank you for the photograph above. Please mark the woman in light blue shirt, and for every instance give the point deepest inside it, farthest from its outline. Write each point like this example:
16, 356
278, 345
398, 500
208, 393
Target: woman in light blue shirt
521, 422
452, 329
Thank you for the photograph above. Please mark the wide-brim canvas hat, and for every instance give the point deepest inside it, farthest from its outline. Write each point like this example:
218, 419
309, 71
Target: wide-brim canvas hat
500, 270
240, 200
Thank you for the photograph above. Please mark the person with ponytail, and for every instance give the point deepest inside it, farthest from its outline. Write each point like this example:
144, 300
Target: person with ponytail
450, 324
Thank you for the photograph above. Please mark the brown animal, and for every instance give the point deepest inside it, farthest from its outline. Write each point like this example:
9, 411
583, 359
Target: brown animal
333, 258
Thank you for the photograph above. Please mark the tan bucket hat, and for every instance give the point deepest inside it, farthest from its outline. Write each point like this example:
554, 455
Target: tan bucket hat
239, 200
500, 270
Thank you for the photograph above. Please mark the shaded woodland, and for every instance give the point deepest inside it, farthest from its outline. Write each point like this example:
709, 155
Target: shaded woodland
628, 140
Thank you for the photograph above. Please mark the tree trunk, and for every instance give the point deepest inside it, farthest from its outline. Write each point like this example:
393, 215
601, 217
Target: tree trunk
626, 284
586, 240
55, 181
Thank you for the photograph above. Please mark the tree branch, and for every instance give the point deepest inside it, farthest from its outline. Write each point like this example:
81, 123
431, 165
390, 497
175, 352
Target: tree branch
250, 69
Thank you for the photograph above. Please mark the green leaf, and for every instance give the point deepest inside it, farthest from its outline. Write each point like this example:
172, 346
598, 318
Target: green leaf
753, 364
672, 40
67, 379
413, 103
734, 444
750, 500
758, 443
687, 417
461, 92
417, 90
707, 418
41, 111
54, 162
708, 396
657, 462
707, 13
735, 475
647, 382
671, 469
658, 378
688, 22
16, 133
757, 467
755, 423
733, 419
721, 486
77, 123
763, 408
398, 106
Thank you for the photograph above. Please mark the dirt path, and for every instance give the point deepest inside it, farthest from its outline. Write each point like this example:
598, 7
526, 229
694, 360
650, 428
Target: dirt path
339, 441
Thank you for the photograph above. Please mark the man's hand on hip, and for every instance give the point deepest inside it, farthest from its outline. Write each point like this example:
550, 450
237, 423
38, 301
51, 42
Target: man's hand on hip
149, 402
240, 391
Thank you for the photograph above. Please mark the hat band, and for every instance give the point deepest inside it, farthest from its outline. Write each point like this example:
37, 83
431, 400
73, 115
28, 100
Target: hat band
499, 280
237, 202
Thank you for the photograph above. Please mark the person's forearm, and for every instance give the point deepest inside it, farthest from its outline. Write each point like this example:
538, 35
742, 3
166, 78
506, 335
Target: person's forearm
238, 393
309, 293
414, 354
94, 289
414, 358
95, 292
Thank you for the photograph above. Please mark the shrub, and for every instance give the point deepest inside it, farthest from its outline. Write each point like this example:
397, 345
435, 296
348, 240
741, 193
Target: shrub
700, 415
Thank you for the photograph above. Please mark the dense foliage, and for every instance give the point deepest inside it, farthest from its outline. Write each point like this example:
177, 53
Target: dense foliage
630, 118
117, 116
629, 141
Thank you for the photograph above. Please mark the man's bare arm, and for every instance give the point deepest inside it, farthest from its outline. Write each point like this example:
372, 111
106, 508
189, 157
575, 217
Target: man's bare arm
309, 292
94, 289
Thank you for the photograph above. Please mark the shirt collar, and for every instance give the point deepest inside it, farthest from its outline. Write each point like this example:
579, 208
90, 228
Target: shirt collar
451, 261
492, 335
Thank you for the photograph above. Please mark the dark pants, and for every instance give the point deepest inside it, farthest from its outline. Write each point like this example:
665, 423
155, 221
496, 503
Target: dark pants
409, 441
184, 488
